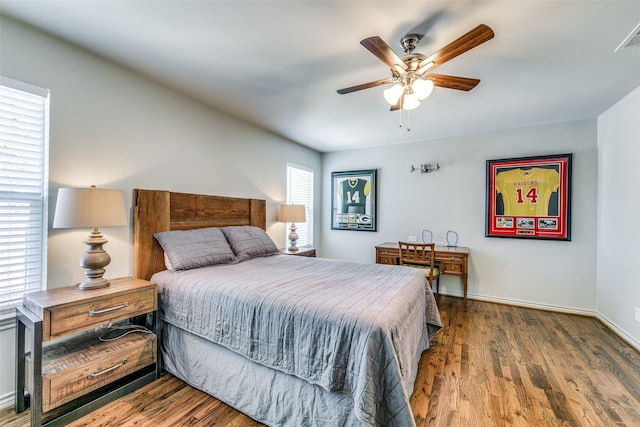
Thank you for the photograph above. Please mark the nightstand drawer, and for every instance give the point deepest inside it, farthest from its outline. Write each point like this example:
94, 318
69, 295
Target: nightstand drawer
87, 315
82, 365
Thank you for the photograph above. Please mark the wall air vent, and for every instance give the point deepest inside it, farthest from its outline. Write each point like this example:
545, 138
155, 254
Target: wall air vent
632, 40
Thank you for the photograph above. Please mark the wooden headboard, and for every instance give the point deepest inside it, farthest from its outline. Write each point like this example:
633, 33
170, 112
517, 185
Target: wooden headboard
160, 210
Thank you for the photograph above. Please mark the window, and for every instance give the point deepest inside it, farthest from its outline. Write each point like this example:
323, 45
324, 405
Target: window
300, 192
24, 132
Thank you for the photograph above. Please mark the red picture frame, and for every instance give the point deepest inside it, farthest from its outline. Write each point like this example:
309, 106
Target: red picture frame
529, 197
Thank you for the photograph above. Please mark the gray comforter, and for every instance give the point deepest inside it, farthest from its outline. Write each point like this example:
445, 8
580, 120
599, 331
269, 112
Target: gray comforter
347, 327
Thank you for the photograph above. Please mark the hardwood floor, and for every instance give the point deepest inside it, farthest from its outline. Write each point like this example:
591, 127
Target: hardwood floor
490, 365
497, 365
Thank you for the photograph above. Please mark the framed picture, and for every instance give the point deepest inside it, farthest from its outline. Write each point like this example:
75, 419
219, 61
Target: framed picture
529, 197
353, 200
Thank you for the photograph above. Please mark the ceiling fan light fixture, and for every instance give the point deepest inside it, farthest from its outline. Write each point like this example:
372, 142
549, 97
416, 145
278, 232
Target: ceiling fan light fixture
411, 102
393, 94
425, 67
399, 68
422, 88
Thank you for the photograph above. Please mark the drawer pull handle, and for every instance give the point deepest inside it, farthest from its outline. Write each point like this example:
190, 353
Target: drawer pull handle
107, 310
113, 368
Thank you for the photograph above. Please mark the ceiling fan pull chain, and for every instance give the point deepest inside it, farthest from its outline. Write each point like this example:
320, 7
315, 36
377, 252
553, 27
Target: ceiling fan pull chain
408, 117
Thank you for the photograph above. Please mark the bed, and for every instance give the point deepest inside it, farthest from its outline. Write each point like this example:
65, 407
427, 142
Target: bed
286, 340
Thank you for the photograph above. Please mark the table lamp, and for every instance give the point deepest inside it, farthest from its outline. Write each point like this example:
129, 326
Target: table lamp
91, 208
292, 214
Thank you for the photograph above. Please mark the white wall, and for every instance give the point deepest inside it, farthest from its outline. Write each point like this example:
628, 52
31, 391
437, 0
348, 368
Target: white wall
618, 287
546, 274
114, 129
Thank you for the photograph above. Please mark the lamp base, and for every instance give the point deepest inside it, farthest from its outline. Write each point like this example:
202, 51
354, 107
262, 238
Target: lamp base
93, 262
93, 284
293, 238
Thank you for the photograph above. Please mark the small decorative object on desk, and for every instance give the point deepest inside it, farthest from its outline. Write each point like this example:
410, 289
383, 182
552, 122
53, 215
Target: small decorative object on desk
452, 239
427, 236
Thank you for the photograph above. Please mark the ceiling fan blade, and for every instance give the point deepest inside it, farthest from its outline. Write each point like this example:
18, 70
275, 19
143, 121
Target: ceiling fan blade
453, 82
468, 41
383, 52
364, 86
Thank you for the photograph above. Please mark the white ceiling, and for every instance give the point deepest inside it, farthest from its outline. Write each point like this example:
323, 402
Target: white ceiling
278, 64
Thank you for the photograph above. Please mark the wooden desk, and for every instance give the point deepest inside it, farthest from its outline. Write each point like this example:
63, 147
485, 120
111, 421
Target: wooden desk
454, 261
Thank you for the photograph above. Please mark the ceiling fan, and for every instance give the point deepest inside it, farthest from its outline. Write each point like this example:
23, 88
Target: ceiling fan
412, 72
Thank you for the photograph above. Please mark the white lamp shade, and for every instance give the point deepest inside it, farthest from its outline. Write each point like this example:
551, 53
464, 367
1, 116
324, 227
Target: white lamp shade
393, 94
411, 102
292, 213
89, 207
422, 88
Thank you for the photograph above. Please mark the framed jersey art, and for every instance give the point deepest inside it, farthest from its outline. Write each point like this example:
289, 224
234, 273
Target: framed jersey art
529, 197
353, 200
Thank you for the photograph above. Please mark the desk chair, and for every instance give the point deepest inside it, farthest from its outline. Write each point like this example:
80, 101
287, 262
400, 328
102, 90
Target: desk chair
422, 256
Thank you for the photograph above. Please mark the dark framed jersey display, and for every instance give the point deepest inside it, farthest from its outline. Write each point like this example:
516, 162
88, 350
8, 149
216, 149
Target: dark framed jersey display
529, 197
353, 200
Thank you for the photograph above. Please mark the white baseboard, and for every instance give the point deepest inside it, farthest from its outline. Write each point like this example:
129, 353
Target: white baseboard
521, 303
7, 399
622, 334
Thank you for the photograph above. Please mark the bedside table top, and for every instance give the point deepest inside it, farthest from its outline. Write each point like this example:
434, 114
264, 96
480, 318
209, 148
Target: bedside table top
300, 251
68, 310
59, 297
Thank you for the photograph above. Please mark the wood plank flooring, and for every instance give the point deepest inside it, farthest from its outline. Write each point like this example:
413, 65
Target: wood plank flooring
490, 365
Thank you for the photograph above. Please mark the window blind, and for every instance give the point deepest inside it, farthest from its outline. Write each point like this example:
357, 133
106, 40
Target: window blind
24, 121
300, 192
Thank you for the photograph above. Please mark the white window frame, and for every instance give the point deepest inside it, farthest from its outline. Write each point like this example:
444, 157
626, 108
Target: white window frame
300, 192
24, 157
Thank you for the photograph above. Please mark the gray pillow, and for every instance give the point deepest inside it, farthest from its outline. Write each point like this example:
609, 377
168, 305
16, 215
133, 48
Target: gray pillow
200, 247
249, 242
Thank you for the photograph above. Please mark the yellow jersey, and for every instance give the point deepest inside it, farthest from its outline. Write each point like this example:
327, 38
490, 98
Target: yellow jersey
526, 192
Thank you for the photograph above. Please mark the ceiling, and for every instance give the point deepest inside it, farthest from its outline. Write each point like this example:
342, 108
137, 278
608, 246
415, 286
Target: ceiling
278, 64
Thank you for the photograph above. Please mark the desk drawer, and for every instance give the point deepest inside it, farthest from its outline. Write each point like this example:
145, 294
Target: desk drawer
451, 268
391, 260
86, 315
387, 256
84, 364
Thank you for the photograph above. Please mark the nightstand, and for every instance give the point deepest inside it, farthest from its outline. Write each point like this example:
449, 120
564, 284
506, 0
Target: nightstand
310, 252
79, 372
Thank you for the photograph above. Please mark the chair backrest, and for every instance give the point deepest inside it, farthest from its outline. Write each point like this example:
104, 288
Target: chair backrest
417, 253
